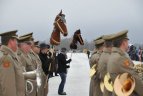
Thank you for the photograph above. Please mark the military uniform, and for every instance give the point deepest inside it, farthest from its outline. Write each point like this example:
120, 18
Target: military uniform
12, 81
28, 65
43, 88
120, 63
95, 81
102, 68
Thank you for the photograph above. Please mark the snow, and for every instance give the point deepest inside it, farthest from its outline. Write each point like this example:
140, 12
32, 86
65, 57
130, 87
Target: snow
77, 78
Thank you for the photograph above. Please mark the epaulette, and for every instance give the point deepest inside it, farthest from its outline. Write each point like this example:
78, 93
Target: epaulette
3, 54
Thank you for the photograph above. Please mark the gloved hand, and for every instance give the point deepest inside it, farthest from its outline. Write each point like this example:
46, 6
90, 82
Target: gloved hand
69, 60
68, 66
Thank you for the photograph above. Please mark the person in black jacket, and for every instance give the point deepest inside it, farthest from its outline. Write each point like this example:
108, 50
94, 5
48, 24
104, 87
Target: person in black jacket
62, 69
44, 48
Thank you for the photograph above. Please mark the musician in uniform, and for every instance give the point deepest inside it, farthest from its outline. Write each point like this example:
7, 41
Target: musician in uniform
102, 67
23, 54
94, 82
12, 82
119, 62
42, 89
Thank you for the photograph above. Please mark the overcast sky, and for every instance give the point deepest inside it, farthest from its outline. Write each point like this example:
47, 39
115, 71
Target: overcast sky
93, 17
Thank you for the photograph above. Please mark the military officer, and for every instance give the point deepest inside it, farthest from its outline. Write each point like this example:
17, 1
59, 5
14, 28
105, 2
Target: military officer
102, 67
94, 82
24, 50
42, 88
12, 81
120, 63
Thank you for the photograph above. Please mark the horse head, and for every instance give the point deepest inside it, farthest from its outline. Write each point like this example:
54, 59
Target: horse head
76, 38
59, 27
60, 24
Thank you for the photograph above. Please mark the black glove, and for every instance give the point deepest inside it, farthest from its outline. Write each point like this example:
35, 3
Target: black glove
68, 66
69, 60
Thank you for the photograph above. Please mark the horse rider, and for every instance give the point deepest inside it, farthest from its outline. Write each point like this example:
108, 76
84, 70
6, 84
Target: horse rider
119, 62
94, 82
12, 81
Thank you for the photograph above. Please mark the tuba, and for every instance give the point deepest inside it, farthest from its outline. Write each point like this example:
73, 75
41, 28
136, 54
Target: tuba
124, 84
31, 76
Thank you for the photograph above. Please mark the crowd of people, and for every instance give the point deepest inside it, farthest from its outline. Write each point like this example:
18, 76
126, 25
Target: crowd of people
26, 66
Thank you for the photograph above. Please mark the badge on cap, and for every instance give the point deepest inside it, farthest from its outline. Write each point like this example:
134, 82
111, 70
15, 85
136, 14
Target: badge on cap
126, 63
6, 64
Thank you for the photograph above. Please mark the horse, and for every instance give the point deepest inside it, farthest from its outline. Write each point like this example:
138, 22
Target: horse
76, 38
59, 27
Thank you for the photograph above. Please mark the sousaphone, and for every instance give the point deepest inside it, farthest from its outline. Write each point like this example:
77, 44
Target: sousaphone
108, 82
124, 84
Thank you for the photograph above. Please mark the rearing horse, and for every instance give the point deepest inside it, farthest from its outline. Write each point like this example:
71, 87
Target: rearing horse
76, 38
59, 26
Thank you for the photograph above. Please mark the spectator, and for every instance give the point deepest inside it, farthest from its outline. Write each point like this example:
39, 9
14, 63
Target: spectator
62, 69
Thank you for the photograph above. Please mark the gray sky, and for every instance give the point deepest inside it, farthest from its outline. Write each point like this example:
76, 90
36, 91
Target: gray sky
93, 17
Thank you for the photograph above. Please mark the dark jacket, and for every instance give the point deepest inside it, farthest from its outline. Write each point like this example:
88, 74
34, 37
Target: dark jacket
62, 63
45, 62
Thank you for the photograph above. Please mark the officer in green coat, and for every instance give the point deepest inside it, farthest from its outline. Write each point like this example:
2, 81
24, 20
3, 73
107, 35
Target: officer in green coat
12, 82
119, 62
95, 81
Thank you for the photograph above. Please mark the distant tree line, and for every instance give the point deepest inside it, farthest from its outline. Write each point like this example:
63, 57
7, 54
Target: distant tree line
66, 43
87, 45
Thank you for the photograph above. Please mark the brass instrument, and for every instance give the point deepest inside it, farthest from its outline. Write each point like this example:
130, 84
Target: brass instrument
108, 82
29, 87
92, 70
30, 76
102, 86
124, 84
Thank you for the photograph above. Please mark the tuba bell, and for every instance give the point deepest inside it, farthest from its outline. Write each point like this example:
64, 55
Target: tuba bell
29, 87
108, 82
124, 84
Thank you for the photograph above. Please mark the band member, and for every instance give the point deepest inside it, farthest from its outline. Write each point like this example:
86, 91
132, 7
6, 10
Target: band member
12, 82
103, 60
24, 43
119, 62
95, 82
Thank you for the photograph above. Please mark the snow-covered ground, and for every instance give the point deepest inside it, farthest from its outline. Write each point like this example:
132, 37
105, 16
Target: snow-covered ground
77, 78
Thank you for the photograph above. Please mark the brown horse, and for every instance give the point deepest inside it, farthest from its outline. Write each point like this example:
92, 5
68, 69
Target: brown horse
59, 26
76, 38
